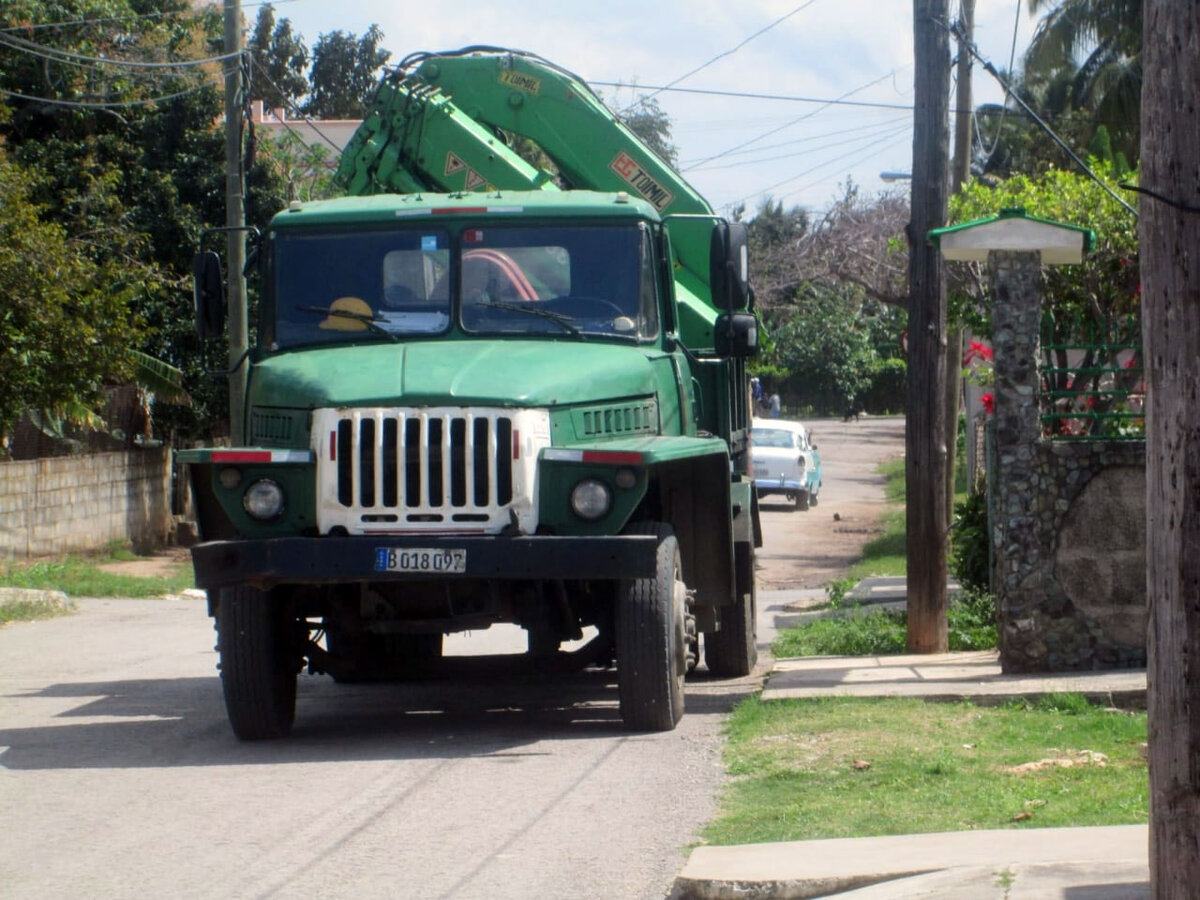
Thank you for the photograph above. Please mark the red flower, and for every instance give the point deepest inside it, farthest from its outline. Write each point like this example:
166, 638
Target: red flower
989, 403
978, 350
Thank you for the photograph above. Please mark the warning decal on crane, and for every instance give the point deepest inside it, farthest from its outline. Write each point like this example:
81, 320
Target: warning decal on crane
455, 164
641, 181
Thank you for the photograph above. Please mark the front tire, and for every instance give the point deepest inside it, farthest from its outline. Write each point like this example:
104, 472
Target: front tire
651, 639
258, 662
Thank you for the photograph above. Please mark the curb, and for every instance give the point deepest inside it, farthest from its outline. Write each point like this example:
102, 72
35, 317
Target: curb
48, 601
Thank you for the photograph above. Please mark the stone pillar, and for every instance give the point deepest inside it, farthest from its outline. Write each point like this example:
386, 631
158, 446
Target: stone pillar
1016, 325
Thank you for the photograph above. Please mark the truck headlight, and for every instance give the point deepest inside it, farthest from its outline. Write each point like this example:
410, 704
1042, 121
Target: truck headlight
263, 499
591, 499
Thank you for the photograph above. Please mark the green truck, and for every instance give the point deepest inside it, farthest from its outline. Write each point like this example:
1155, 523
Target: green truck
484, 393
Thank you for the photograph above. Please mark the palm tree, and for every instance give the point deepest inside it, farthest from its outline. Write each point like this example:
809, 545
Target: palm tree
1095, 48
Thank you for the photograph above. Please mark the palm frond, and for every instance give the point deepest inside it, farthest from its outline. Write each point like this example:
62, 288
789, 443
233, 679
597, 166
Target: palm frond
159, 378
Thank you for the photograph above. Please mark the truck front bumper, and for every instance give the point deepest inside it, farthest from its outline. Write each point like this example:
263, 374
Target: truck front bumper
340, 560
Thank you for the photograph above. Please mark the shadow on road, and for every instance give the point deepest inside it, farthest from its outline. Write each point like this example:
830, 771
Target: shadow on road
471, 708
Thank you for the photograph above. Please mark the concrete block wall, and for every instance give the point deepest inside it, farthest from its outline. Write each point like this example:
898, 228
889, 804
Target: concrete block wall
64, 504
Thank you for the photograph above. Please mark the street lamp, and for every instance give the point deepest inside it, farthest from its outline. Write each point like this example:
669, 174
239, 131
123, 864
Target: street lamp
891, 176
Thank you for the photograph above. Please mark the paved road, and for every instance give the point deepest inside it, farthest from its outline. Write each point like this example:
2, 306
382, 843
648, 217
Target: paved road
119, 776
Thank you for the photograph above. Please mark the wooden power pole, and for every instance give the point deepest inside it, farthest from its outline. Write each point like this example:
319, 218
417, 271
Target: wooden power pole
960, 174
1169, 239
235, 219
926, 454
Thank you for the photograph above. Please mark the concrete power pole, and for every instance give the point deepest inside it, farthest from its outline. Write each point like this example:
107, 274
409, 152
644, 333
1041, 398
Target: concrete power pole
235, 220
926, 454
1169, 238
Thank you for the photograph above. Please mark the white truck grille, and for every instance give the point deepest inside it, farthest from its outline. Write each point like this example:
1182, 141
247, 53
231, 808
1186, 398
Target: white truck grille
432, 470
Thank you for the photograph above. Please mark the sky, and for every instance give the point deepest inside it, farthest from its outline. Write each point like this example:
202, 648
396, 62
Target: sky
733, 150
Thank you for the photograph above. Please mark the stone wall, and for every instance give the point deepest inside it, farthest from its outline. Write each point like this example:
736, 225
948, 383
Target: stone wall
52, 506
1068, 518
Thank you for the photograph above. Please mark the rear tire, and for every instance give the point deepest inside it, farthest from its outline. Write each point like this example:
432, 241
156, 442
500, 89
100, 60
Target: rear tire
258, 662
802, 499
733, 651
651, 639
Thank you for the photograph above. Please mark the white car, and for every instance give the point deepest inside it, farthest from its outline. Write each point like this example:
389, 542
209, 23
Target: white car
785, 461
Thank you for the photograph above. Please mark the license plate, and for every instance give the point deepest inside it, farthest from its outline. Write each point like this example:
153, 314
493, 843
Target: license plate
421, 559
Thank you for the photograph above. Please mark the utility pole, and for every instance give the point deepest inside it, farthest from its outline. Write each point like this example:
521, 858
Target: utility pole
235, 220
960, 174
926, 454
1169, 239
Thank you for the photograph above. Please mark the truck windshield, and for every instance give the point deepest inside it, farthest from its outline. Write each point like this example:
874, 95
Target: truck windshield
579, 280
331, 287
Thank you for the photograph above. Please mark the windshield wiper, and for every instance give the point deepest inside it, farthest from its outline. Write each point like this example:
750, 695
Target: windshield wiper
370, 321
557, 318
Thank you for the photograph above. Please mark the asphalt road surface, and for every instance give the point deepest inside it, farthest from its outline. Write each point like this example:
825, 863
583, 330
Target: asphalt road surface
119, 776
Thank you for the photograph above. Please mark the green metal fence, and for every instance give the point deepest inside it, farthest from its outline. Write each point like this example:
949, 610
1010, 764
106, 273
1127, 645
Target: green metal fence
1091, 378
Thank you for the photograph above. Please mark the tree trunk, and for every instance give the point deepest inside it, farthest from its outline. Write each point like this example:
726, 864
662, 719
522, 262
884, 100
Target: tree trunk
1170, 266
925, 436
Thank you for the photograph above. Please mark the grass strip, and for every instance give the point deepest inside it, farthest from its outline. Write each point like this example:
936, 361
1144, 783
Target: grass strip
79, 576
856, 767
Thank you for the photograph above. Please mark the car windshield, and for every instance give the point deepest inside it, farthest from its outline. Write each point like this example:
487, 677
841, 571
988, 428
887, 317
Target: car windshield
774, 437
331, 287
575, 281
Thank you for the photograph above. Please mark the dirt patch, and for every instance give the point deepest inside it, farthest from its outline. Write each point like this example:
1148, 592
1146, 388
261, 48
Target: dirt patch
160, 564
809, 549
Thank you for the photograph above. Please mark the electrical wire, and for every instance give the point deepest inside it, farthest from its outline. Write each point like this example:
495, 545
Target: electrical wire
897, 132
115, 104
810, 138
292, 105
853, 162
719, 56
875, 130
1012, 55
991, 70
789, 124
62, 56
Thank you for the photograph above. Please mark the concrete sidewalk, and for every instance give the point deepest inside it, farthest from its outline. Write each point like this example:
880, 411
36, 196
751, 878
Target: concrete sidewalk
1106, 863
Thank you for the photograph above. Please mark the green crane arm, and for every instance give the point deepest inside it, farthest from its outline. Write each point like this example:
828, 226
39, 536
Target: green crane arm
415, 139
521, 93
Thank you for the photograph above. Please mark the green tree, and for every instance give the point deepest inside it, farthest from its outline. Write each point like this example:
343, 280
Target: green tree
1082, 73
1097, 299
278, 60
65, 318
345, 69
133, 184
647, 120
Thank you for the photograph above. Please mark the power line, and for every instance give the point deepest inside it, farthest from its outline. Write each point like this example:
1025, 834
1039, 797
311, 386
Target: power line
254, 67
795, 121
62, 56
115, 104
902, 130
991, 70
750, 95
729, 52
875, 129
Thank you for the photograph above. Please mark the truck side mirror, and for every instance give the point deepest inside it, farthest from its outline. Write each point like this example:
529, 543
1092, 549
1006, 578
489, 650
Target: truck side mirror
208, 294
735, 335
729, 266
